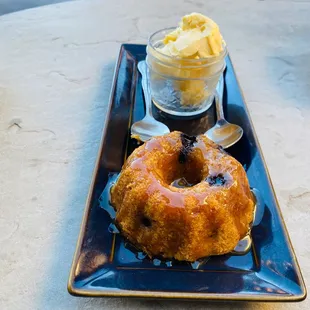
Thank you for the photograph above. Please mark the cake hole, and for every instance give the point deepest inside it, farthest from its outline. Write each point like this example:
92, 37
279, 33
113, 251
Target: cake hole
213, 233
188, 175
181, 183
188, 171
146, 221
216, 180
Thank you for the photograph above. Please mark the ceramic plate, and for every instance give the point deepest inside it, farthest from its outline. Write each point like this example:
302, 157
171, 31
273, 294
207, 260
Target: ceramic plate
105, 265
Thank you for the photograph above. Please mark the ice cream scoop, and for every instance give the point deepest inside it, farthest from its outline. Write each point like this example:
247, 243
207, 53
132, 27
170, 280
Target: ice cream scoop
196, 37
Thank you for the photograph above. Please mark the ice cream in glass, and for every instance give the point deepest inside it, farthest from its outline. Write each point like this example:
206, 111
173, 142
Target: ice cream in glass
185, 64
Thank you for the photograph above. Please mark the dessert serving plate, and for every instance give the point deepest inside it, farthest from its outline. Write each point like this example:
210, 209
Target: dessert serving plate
106, 265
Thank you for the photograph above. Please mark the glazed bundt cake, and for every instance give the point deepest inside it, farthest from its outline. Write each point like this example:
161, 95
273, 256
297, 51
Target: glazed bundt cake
182, 197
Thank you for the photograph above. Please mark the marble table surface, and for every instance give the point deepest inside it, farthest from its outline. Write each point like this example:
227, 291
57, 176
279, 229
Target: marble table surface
56, 66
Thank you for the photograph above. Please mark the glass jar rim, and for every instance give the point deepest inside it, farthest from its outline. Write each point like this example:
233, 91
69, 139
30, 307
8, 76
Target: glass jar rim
193, 61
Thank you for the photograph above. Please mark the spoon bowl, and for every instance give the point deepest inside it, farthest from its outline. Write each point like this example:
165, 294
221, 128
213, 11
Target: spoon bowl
147, 128
223, 133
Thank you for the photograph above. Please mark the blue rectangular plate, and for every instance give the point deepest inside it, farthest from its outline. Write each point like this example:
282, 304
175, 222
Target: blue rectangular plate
103, 266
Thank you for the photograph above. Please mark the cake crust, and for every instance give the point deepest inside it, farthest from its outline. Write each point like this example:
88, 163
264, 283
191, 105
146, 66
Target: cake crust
182, 197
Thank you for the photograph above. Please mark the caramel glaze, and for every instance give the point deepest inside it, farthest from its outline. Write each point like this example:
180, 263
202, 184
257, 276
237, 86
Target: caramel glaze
208, 218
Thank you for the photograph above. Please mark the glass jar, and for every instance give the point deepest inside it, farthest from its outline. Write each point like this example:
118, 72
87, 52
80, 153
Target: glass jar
182, 87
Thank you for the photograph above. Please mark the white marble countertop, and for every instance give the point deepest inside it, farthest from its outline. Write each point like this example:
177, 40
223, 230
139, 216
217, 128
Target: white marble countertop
56, 66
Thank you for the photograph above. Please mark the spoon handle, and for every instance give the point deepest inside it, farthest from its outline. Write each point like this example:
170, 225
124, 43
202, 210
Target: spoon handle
146, 88
219, 98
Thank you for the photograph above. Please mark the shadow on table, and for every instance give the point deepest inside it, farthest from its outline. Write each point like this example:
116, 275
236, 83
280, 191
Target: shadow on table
123, 303
10, 6
53, 288
290, 76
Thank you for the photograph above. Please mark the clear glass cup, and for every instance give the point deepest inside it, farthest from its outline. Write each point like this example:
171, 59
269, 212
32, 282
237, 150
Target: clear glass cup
182, 87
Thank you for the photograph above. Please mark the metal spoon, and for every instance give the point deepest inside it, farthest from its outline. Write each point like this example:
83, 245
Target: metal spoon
148, 127
223, 133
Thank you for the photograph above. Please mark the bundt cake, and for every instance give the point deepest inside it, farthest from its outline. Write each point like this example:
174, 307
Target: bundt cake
182, 197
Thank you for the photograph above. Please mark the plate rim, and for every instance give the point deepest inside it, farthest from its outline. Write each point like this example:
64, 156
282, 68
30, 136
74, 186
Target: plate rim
178, 295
